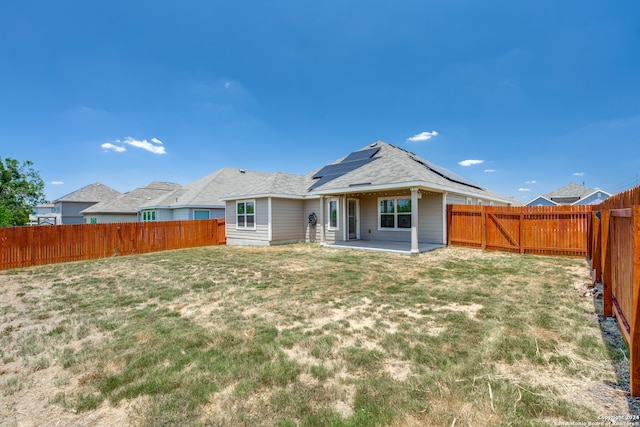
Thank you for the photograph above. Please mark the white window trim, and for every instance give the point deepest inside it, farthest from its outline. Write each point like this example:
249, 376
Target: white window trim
255, 216
395, 214
469, 201
337, 200
148, 213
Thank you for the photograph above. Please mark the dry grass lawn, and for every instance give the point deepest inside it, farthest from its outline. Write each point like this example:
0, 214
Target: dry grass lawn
302, 335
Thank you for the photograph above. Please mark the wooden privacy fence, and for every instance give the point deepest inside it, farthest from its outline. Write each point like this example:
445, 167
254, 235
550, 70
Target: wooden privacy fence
26, 246
614, 250
539, 230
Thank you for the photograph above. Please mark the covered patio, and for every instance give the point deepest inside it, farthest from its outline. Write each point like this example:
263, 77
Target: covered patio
383, 246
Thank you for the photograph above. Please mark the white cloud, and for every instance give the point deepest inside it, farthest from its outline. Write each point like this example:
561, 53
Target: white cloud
578, 174
470, 162
155, 146
524, 189
531, 182
109, 146
57, 183
424, 136
489, 170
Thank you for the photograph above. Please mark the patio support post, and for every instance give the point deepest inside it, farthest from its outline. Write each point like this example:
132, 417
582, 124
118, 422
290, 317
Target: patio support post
414, 221
321, 221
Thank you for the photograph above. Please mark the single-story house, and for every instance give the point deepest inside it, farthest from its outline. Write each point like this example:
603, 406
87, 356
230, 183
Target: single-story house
571, 194
201, 198
67, 209
123, 207
379, 193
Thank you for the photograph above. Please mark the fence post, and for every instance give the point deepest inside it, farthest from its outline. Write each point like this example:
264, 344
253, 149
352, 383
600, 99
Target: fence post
596, 249
634, 334
521, 233
605, 257
483, 213
449, 220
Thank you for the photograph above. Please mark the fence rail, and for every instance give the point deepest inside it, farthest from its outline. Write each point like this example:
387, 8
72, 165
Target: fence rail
614, 251
540, 230
26, 246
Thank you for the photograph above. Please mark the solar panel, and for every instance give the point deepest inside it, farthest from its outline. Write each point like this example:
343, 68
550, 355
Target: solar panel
361, 155
445, 173
331, 172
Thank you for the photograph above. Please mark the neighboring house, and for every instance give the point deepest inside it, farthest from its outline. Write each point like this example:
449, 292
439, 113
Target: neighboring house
124, 207
43, 214
201, 198
571, 194
67, 209
379, 193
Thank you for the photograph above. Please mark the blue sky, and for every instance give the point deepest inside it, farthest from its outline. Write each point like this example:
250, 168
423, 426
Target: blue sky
520, 97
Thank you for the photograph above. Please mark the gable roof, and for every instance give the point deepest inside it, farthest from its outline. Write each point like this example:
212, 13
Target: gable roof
95, 192
128, 202
207, 191
378, 166
394, 167
571, 193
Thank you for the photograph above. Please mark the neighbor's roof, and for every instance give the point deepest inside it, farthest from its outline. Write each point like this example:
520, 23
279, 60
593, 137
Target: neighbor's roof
570, 190
207, 191
96, 192
128, 202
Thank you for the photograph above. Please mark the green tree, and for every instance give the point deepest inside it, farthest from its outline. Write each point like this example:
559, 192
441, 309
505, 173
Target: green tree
21, 188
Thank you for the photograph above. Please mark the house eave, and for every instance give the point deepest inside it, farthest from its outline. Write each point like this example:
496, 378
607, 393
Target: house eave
404, 185
146, 208
267, 195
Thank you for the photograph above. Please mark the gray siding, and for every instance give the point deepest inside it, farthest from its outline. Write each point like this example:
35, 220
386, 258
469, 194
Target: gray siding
430, 220
259, 236
71, 211
110, 218
312, 233
287, 220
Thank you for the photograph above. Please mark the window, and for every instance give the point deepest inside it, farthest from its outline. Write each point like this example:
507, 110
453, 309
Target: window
332, 209
148, 216
469, 201
200, 214
93, 220
480, 202
246, 214
394, 214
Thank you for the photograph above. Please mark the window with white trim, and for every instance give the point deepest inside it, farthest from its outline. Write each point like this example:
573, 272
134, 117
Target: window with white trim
332, 211
246, 214
469, 201
148, 216
201, 214
394, 213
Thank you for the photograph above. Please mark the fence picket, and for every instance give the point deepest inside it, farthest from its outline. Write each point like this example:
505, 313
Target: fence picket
26, 246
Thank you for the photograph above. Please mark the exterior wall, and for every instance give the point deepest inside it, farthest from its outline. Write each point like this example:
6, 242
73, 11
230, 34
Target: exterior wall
287, 220
181, 214
70, 211
102, 218
259, 236
593, 199
311, 232
430, 220
541, 202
